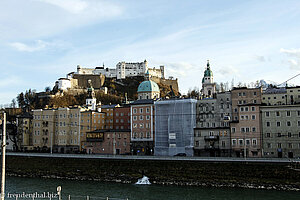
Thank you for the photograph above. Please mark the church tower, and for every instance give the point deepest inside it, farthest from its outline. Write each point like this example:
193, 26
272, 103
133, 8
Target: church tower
148, 89
91, 98
208, 85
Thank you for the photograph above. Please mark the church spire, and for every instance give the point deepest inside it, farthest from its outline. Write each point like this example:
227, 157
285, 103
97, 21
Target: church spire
208, 64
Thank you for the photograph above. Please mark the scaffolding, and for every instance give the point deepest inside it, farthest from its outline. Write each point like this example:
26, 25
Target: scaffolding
175, 121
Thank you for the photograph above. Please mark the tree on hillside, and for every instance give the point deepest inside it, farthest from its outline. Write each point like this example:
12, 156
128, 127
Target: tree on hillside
21, 100
193, 93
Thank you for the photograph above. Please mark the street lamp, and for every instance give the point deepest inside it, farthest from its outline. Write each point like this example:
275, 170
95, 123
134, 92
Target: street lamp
3, 147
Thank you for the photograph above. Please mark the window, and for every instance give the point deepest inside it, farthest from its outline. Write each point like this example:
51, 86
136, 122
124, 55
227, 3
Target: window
288, 113
243, 130
290, 145
267, 114
254, 142
141, 117
134, 110
242, 109
241, 141
268, 124
269, 145
253, 129
141, 110
147, 110
254, 93
134, 118
298, 123
148, 135
278, 124
268, 135
252, 108
233, 142
288, 123
279, 145
253, 117
277, 114
289, 134
248, 142
223, 143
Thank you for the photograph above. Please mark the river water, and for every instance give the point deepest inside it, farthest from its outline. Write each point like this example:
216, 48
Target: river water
45, 188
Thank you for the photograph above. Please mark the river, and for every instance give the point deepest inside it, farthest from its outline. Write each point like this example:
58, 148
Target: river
99, 190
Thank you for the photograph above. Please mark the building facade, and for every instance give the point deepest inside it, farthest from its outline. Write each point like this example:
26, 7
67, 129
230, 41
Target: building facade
274, 96
212, 132
122, 118
245, 126
90, 121
109, 142
175, 121
24, 126
281, 131
142, 127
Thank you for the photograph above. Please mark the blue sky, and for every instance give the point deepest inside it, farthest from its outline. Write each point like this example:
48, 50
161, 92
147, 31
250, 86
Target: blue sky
43, 40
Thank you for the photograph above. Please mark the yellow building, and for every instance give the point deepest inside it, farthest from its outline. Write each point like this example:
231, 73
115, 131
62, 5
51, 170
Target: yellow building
90, 121
274, 96
56, 130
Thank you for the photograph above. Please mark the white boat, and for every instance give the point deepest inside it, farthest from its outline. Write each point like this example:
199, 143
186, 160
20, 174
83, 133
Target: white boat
143, 181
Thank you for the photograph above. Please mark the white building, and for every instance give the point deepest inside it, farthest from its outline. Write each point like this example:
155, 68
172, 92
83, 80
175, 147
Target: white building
123, 70
64, 83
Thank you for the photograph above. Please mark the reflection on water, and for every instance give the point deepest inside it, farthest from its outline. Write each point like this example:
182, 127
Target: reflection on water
94, 189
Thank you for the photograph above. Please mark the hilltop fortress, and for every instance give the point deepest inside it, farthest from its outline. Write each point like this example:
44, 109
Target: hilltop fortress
77, 82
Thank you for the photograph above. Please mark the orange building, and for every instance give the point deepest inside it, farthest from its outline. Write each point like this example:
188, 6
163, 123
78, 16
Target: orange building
109, 112
122, 117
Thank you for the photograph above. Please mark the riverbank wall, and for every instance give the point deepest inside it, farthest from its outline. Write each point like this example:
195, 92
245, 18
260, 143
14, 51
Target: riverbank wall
264, 175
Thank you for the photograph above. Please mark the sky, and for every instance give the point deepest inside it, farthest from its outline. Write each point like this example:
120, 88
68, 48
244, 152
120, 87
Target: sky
43, 40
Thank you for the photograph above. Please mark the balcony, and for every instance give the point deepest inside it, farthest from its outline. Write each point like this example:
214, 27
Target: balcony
213, 137
207, 147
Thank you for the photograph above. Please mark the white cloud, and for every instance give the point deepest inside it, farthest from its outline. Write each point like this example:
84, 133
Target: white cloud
291, 52
178, 69
38, 45
228, 70
295, 55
